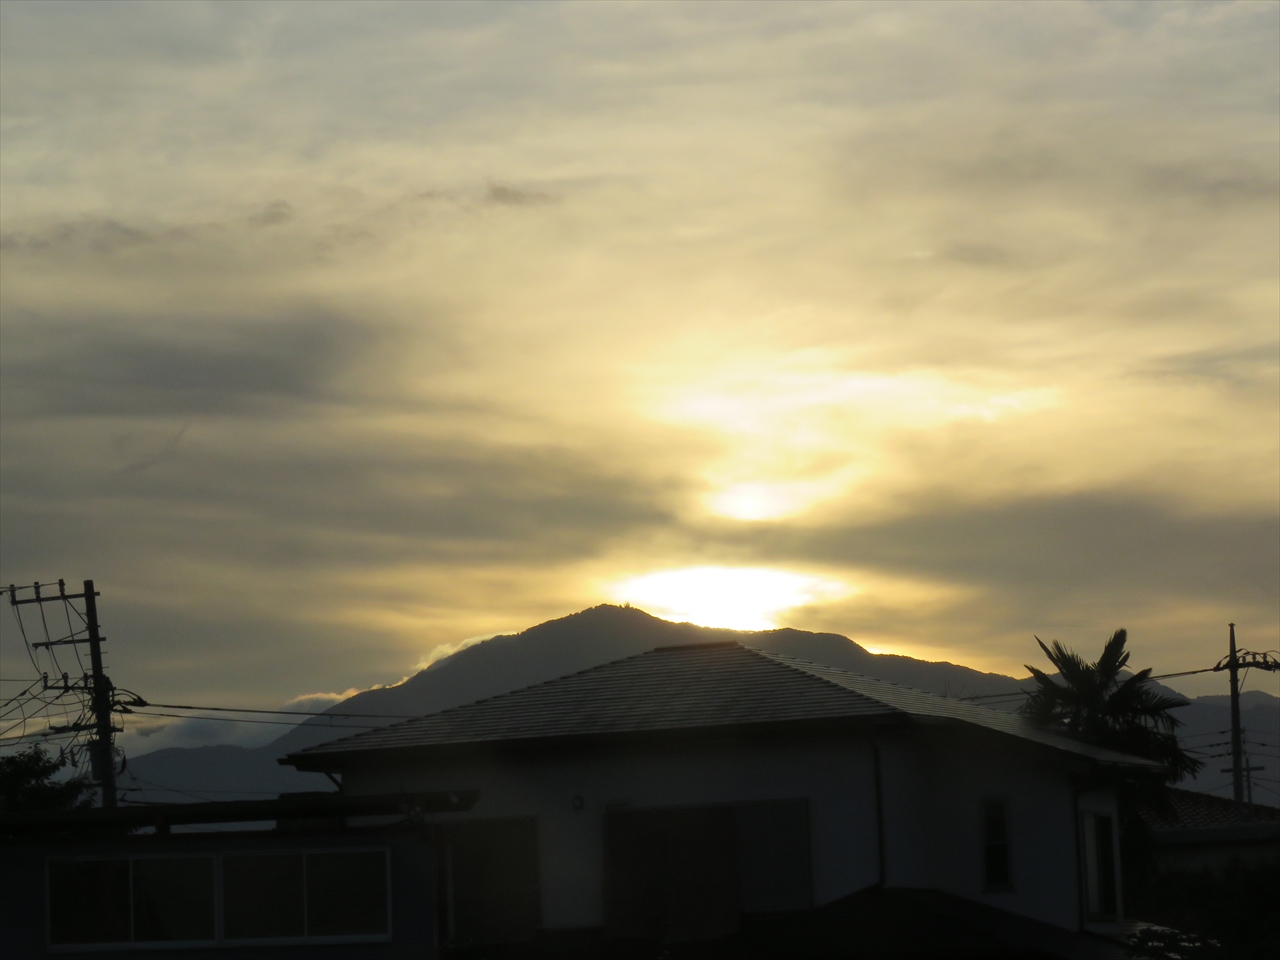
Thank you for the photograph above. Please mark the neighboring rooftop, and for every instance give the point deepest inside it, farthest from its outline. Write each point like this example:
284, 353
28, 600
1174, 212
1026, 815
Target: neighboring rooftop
1189, 810
687, 687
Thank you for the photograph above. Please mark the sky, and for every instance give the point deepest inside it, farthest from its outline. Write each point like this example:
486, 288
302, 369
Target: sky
337, 335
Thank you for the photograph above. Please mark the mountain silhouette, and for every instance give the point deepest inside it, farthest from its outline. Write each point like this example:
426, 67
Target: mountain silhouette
576, 642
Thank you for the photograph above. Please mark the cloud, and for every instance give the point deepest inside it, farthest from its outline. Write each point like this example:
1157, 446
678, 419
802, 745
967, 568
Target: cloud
506, 195
330, 338
1067, 545
321, 701
193, 365
275, 212
99, 236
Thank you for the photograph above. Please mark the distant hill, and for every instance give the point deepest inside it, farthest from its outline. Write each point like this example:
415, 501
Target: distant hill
577, 642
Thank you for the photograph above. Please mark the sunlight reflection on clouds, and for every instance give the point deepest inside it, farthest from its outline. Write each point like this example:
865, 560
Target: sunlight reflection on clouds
797, 433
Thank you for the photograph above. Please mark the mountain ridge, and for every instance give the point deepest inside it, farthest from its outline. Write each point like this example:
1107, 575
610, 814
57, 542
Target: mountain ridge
554, 648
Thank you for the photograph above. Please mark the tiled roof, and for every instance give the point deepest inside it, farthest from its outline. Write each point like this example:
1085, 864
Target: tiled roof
1190, 810
689, 687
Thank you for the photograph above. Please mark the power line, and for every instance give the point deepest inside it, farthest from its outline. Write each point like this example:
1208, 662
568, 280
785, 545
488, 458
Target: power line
1184, 673
276, 723
43, 735
291, 713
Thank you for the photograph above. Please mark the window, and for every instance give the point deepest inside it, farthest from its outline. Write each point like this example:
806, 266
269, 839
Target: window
173, 899
346, 893
141, 900
291, 895
265, 896
89, 901
995, 846
262, 897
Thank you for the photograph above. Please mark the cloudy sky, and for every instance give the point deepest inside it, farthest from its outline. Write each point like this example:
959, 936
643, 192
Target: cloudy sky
337, 334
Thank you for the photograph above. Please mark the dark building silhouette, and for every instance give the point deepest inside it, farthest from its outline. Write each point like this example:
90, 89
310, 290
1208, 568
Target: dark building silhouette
702, 799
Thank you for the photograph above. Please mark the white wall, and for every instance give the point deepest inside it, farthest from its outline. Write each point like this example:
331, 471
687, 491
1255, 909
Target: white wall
835, 775
934, 782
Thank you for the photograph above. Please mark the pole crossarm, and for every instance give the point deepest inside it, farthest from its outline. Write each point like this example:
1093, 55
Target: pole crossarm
1247, 659
63, 643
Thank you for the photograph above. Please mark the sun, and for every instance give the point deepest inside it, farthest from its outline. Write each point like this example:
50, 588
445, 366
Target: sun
740, 598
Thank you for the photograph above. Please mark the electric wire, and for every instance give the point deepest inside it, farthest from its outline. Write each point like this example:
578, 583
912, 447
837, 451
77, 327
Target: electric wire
292, 713
276, 723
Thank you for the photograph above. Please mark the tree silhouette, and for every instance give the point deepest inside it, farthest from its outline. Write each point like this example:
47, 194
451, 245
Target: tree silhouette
1095, 702
28, 783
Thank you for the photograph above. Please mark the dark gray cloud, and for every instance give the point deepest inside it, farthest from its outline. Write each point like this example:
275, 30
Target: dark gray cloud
1252, 366
506, 195
88, 234
181, 366
1063, 546
270, 214
358, 502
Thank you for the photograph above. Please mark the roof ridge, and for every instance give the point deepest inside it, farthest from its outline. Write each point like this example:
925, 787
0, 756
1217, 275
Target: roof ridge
795, 663
540, 683
694, 645
789, 660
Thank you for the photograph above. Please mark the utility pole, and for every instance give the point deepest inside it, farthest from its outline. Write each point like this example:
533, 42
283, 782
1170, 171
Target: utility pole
1237, 735
102, 699
1232, 662
103, 759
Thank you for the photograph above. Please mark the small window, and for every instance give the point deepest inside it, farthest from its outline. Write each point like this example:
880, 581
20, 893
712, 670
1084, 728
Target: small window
262, 896
144, 900
173, 899
89, 901
279, 896
346, 893
995, 846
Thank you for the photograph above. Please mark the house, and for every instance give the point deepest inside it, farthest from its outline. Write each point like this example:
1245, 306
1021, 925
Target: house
698, 792
1197, 831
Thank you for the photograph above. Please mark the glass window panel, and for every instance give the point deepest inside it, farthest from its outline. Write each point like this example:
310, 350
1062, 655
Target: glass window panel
995, 845
994, 821
346, 893
262, 896
173, 898
89, 901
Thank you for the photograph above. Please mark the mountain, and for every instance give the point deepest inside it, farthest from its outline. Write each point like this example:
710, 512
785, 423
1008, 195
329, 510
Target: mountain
573, 643
1206, 730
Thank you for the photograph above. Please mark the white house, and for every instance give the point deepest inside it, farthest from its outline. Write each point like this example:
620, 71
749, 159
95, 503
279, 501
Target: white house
676, 794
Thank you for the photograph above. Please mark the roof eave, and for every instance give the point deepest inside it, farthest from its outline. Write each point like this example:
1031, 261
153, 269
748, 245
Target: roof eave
334, 760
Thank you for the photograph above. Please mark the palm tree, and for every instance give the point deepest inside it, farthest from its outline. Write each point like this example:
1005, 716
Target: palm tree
1095, 702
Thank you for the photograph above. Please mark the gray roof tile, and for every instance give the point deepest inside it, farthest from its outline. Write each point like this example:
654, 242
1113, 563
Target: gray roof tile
686, 687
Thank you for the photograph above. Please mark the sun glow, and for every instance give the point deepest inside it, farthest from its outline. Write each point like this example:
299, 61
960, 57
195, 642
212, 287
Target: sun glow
740, 598
805, 429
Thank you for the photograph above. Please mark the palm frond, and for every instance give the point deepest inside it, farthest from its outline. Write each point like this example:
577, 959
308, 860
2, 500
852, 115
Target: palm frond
1093, 701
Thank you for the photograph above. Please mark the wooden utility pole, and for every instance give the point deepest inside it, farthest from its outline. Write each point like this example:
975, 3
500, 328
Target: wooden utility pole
101, 691
104, 763
1232, 662
1237, 735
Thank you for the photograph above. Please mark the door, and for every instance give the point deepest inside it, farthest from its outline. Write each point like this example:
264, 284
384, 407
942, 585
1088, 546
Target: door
671, 875
487, 881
